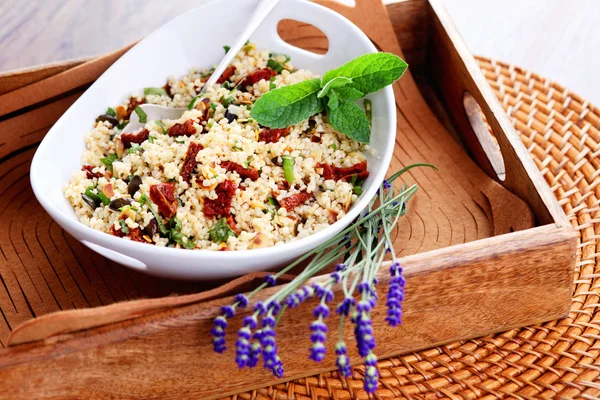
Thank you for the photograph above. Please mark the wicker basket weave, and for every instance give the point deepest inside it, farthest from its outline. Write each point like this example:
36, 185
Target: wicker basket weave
559, 359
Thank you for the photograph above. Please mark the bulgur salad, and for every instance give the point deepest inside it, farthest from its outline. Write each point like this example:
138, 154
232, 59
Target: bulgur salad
215, 179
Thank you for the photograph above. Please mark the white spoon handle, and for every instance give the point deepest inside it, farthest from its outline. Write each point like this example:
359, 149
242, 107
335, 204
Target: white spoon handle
262, 10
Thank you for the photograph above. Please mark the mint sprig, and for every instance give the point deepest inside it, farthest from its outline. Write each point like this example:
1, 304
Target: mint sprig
337, 93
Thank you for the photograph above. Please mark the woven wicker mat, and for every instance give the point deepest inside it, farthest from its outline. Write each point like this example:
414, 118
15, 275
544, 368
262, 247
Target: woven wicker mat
559, 359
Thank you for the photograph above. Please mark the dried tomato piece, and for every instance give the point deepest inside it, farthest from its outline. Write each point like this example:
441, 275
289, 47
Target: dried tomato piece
134, 234
360, 170
222, 204
256, 76
89, 172
134, 137
242, 172
327, 171
167, 88
272, 135
283, 185
163, 195
228, 73
293, 201
189, 162
231, 222
133, 103
185, 129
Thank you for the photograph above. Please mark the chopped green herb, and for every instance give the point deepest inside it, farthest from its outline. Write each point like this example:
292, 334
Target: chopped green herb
247, 162
279, 55
161, 126
226, 85
369, 109
143, 199
180, 141
180, 202
208, 73
272, 201
176, 236
227, 101
357, 190
109, 160
134, 148
155, 91
191, 104
226, 48
213, 106
151, 139
97, 196
272, 83
124, 227
334, 147
274, 65
159, 221
111, 112
122, 124
247, 46
143, 116
288, 168
221, 231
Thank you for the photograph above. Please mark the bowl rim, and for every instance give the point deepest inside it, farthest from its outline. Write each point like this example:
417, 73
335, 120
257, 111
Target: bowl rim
114, 243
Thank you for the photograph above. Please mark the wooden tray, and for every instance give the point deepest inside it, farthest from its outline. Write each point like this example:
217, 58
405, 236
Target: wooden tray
481, 254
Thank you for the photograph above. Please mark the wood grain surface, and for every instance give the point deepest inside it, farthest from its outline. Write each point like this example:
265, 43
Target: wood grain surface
557, 38
461, 281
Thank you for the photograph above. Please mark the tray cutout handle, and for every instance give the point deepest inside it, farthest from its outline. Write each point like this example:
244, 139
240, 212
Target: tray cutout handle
303, 35
489, 146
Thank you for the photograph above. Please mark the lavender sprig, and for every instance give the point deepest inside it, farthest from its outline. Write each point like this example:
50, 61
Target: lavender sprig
363, 246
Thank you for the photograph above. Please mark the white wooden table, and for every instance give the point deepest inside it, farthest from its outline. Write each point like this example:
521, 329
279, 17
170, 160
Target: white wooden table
559, 39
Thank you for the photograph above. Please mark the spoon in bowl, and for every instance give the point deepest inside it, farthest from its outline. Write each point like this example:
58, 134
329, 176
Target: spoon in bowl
155, 112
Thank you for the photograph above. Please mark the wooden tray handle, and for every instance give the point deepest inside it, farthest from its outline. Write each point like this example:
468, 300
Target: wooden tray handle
466, 91
70, 321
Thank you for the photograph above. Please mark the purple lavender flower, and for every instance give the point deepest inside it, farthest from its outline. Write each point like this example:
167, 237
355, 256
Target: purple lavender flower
218, 332
340, 267
343, 362
228, 311
242, 347
395, 296
345, 306
336, 276
321, 311
317, 337
299, 296
371, 379
255, 350
260, 308
271, 280
363, 332
323, 292
269, 321
241, 299
269, 351
386, 184
274, 306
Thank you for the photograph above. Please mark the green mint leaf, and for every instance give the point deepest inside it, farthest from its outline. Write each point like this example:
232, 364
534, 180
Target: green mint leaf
155, 90
226, 48
348, 93
350, 120
141, 114
221, 231
333, 100
370, 72
288, 105
336, 82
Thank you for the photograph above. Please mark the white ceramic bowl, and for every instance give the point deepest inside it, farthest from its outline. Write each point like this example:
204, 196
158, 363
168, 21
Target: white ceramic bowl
195, 39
